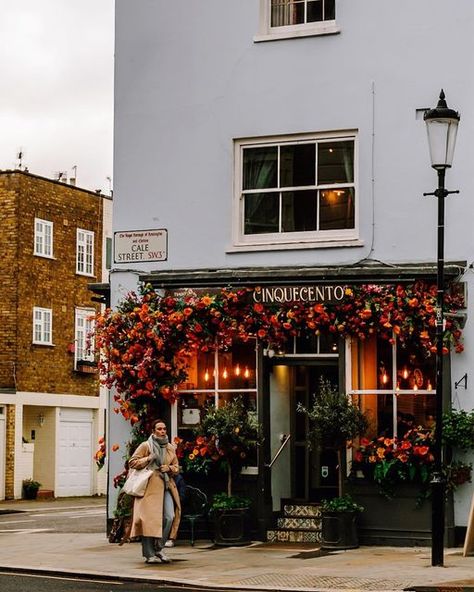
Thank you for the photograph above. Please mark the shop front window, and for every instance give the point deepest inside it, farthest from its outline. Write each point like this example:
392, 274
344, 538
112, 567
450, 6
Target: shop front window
393, 385
214, 379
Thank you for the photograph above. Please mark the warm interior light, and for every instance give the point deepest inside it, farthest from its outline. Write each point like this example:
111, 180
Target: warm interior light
415, 387
405, 373
398, 386
334, 347
237, 370
246, 372
225, 374
206, 375
384, 377
428, 386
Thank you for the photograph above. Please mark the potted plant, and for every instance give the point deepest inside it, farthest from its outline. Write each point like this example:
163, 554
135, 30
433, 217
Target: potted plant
338, 523
226, 439
30, 488
333, 421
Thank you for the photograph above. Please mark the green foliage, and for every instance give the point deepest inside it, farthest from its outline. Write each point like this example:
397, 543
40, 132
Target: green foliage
124, 506
222, 501
333, 418
235, 429
457, 473
458, 429
31, 485
341, 505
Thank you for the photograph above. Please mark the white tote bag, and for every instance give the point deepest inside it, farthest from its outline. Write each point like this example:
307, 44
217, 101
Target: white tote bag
137, 481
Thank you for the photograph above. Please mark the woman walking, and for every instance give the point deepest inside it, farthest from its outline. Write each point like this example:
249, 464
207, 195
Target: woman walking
156, 515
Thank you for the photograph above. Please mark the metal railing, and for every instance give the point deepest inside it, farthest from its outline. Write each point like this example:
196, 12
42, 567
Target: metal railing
285, 440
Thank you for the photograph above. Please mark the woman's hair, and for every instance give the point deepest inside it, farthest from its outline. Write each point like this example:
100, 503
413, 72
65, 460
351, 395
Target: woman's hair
155, 422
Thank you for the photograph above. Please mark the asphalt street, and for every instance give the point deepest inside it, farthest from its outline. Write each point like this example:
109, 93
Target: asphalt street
36, 583
73, 518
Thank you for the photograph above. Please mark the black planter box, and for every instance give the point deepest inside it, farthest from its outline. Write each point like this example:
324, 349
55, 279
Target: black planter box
397, 521
339, 530
231, 526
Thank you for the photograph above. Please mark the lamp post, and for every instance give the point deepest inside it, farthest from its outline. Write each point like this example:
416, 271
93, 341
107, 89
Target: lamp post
441, 124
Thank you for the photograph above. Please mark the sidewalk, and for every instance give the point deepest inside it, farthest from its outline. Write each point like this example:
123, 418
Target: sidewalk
257, 567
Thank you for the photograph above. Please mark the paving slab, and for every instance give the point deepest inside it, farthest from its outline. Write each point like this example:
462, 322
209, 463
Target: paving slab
259, 566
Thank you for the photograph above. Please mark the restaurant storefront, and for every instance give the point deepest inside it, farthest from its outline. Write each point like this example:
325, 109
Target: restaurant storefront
270, 337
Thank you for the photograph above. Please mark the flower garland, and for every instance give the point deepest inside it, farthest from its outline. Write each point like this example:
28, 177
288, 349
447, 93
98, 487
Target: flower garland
147, 342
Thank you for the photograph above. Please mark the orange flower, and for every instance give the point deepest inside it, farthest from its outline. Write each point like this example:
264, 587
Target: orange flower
206, 300
380, 452
115, 447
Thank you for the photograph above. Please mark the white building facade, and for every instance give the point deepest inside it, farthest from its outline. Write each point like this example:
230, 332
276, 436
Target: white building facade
286, 139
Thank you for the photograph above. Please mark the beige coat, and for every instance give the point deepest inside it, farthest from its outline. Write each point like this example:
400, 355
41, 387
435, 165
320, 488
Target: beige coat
148, 510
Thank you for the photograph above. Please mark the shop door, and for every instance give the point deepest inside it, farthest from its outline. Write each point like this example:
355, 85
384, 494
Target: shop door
314, 472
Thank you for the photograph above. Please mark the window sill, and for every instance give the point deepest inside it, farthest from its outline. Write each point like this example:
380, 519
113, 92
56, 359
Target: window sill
89, 275
307, 32
42, 343
289, 246
44, 256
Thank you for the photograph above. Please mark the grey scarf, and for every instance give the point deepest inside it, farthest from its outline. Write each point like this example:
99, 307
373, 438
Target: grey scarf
158, 449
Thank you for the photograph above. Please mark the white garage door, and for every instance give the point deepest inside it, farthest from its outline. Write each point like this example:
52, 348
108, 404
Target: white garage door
74, 453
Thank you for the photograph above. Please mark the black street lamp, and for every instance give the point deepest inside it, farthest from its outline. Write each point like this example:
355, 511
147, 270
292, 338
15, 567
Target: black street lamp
442, 125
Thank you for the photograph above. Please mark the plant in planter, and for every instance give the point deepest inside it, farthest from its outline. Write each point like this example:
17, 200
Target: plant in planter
339, 528
227, 437
30, 488
334, 420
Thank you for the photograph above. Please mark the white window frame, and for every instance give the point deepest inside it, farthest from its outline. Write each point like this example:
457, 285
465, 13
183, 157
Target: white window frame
299, 240
43, 241
269, 33
85, 252
42, 326
83, 327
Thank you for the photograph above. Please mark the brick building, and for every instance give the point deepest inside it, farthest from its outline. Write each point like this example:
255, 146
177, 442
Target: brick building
53, 243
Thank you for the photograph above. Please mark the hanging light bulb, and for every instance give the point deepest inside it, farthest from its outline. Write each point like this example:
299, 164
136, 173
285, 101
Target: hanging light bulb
225, 374
334, 347
246, 372
429, 386
398, 385
237, 370
384, 377
415, 387
206, 375
405, 373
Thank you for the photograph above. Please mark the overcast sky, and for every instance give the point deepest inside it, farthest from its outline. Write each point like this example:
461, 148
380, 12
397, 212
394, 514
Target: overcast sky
56, 80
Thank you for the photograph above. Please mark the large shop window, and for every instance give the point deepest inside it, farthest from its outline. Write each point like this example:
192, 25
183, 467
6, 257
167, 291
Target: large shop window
299, 189
215, 378
394, 386
295, 18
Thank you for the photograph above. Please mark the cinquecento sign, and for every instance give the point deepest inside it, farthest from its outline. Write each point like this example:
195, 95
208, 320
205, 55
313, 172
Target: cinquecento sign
140, 246
284, 294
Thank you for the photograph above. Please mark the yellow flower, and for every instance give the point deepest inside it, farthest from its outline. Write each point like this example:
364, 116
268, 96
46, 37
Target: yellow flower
192, 456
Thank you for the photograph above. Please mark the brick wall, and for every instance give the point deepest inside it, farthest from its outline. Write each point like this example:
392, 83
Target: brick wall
47, 282
10, 452
8, 275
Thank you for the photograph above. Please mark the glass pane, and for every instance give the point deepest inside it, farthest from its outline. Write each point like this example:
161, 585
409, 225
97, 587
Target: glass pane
287, 12
414, 371
328, 344
192, 407
307, 343
329, 10
250, 402
237, 367
384, 364
261, 213
201, 373
379, 412
335, 162
298, 211
415, 411
315, 11
260, 167
297, 165
336, 209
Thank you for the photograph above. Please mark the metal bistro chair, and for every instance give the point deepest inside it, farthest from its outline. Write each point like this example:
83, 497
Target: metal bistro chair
195, 506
